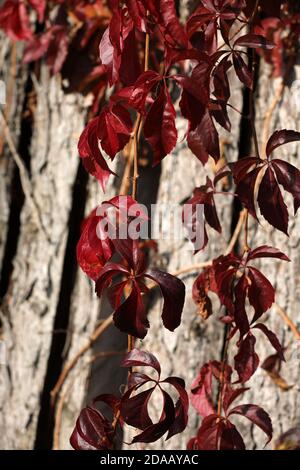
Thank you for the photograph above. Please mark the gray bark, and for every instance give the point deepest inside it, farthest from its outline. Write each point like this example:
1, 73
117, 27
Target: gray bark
31, 304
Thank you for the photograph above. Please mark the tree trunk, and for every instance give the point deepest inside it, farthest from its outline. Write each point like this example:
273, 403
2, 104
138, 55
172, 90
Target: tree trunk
48, 306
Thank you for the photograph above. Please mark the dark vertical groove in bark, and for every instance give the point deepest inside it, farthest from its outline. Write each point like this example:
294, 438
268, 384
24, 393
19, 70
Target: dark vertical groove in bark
245, 139
245, 148
17, 196
45, 425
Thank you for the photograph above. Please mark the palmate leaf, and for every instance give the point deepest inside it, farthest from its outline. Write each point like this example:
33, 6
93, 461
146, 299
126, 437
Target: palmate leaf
93, 430
114, 129
134, 404
92, 158
14, 19
130, 315
257, 416
274, 173
246, 361
159, 127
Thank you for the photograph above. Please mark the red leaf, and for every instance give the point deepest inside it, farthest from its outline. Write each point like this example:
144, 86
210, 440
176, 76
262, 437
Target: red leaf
159, 128
204, 139
142, 87
201, 388
39, 6
246, 361
242, 70
106, 275
281, 138
181, 408
220, 79
156, 431
289, 177
271, 202
217, 434
272, 338
240, 315
114, 129
134, 410
173, 291
265, 251
261, 292
88, 149
91, 257
137, 357
175, 31
130, 67
230, 395
109, 58
256, 415
14, 20
131, 317
137, 12
254, 41
92, 431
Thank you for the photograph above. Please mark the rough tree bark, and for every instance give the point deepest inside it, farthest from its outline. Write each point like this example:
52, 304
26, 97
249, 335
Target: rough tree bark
48, 307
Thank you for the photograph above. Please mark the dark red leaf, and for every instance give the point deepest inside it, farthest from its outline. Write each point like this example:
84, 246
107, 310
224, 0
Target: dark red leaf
281, 138
159, 128
254, 41
242, 70
181, 407
114, 129
156, 431
130, 67
204, 139
131, 317
246, 361
134, 410
92, 431
173, 291
230, 395
261, 292
175, 31
201, 391
240, 315
266, 251
271, 202
256, 415
137, 357
92, 254
144, 84
137, 12
272, 338
220, 79
217, 434
289, 177
109, 58
93, 160
14, 20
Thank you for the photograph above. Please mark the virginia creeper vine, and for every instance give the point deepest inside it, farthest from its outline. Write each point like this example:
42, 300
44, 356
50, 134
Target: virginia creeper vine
141, 103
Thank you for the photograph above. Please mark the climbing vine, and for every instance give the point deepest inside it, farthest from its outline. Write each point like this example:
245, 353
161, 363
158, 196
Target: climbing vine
145, 55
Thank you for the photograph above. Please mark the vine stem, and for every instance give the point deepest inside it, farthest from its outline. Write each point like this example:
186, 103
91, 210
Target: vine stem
105, 324
135, 145
243, 217
288, 321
